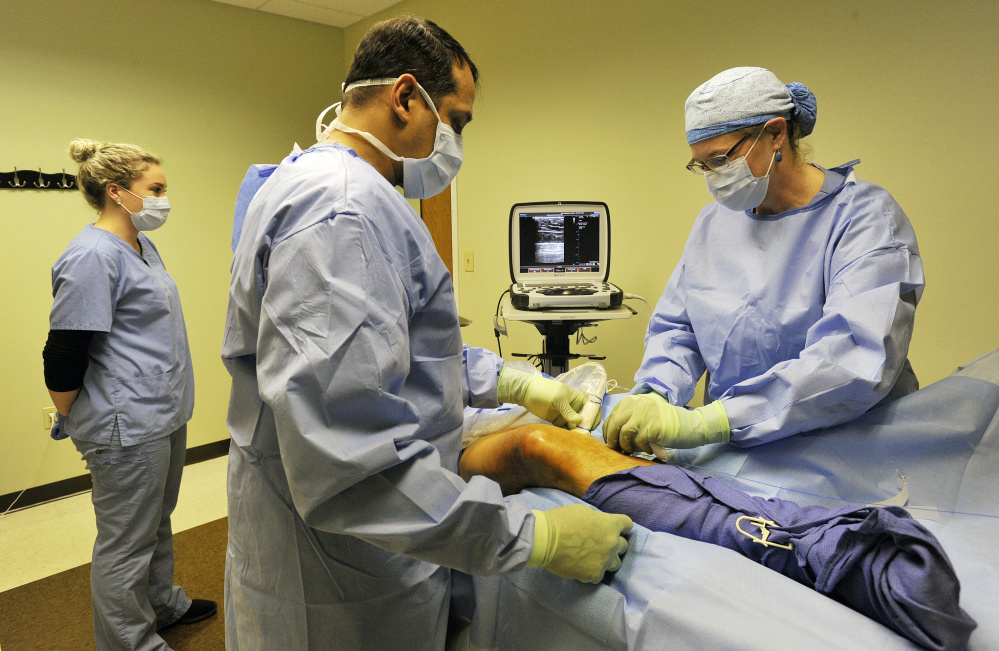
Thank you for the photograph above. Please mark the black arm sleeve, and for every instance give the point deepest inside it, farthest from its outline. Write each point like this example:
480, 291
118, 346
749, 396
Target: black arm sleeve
66, 359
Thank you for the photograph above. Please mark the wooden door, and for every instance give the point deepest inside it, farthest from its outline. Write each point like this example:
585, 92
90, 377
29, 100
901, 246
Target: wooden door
436, 213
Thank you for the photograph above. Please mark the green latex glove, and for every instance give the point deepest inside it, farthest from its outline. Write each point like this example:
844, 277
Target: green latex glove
647, 419
578, 542
549, 399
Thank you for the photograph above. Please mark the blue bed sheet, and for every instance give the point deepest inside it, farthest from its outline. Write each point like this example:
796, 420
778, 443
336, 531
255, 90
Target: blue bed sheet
936, 451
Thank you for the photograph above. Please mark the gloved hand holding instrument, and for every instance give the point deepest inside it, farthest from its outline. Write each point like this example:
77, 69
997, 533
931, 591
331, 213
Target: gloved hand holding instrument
549, 399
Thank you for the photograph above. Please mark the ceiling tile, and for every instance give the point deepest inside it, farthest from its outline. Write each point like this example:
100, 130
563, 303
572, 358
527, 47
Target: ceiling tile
310, 12
249, 4
362, 8
338, 13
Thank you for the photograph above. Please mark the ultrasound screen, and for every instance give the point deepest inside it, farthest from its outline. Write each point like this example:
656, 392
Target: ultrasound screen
559, 242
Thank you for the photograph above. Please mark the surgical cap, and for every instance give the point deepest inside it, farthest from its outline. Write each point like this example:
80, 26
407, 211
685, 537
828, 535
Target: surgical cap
742, 97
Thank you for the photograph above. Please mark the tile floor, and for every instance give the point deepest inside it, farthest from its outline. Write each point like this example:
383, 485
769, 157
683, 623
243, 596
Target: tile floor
49, 538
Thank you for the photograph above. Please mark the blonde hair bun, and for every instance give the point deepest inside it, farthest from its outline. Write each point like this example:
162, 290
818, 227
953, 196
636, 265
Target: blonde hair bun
102, 163
81, 149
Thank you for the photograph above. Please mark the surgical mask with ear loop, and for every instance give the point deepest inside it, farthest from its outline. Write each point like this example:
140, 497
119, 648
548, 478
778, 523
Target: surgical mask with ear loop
153, 214
734, 185
422, 178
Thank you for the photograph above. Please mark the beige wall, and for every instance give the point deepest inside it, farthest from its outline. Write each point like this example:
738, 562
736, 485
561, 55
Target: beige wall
579, 100
211, 88
584, 100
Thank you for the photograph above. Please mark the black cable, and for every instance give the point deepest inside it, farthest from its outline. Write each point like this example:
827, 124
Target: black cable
496, 322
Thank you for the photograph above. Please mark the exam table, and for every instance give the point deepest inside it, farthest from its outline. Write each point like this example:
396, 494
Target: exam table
935, 452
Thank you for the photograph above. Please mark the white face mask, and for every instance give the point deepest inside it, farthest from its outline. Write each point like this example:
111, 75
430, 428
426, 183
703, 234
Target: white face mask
734, 185
422, 178
153, 214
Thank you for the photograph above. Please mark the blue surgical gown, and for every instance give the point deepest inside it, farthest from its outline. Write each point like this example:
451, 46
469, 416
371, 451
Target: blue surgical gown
349, 379
803, 318
140, 375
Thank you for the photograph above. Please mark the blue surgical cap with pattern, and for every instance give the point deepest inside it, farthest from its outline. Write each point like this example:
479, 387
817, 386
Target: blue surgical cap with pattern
742, 97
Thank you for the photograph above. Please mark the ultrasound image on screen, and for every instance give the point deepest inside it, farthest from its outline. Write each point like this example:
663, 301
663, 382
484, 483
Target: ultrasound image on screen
549, 248
560, 241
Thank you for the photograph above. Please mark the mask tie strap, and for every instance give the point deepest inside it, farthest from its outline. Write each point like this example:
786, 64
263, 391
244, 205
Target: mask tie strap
378, 144
772, 159
323, 131
430, 103
368, 82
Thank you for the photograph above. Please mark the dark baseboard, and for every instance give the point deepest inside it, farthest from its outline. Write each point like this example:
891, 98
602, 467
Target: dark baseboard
46, 492
200, 453
73, 485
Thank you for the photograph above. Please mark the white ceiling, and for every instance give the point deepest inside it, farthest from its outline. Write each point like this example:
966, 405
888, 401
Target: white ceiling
338, 13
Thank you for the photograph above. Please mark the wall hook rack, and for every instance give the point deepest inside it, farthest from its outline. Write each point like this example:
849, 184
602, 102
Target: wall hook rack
67, 184
41, 183
15, 182
32, 180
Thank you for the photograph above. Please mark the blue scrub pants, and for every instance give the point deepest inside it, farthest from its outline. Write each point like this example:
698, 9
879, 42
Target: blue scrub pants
131, 579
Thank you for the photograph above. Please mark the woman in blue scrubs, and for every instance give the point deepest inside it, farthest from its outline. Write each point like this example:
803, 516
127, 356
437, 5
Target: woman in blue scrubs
118, 368
796, 291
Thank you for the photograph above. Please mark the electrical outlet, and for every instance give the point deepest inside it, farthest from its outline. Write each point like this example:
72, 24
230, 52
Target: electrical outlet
48, 417
469, 261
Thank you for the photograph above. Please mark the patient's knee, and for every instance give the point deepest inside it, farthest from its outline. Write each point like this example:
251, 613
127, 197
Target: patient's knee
541, 444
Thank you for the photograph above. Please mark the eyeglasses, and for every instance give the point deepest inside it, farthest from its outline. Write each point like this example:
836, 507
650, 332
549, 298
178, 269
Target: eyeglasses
717, 162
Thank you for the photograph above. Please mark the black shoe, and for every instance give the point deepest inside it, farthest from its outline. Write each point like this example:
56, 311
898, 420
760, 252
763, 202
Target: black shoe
200, 609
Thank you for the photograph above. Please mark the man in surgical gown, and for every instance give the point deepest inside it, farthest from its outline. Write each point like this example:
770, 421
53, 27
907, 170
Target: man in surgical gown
796, 291
349, 379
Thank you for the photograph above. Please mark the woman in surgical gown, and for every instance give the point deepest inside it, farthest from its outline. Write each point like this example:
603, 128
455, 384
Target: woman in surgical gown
118, 368
796, 290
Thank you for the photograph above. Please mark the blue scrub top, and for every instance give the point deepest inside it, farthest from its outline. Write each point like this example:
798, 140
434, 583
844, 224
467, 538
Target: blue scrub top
140, 373
803, 318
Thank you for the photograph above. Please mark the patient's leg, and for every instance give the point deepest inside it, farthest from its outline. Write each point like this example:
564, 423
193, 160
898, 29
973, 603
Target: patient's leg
544, 456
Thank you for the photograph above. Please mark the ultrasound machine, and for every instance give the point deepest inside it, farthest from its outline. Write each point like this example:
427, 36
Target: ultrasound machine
560, 256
